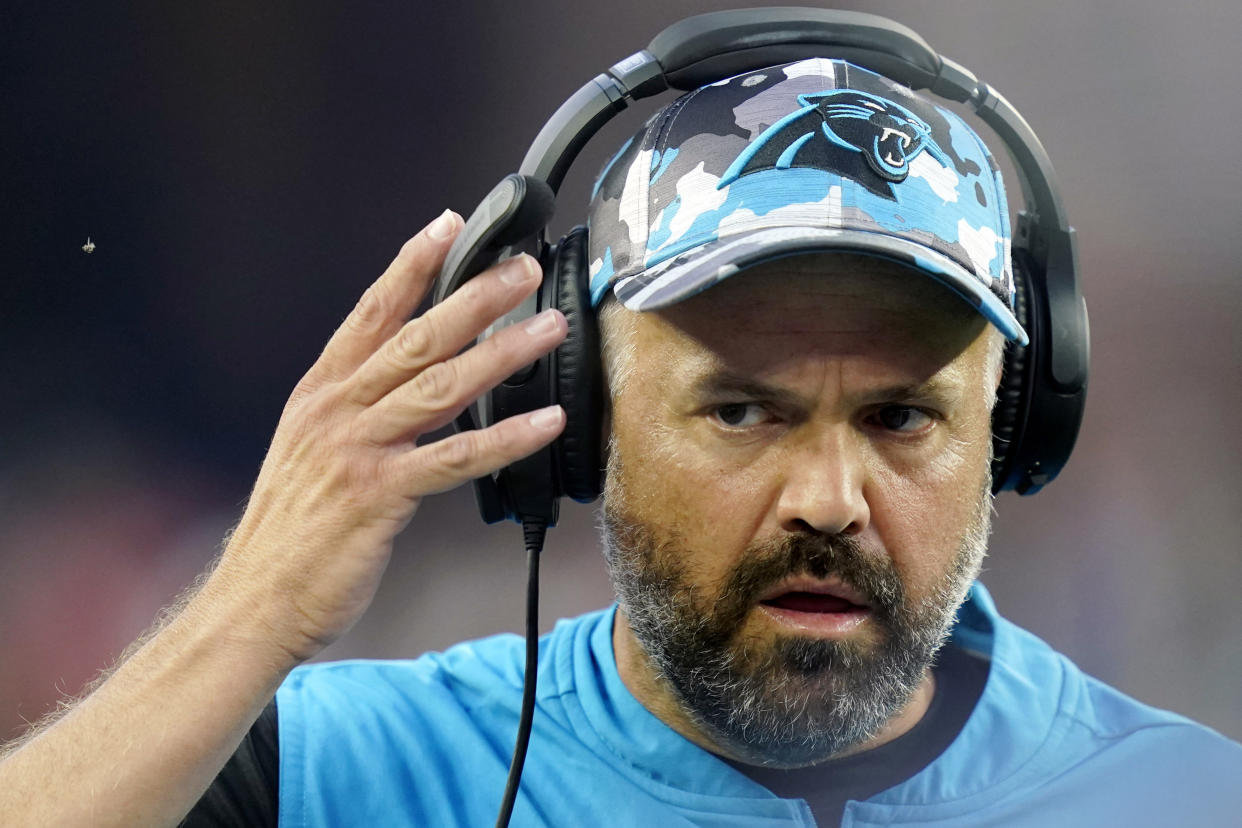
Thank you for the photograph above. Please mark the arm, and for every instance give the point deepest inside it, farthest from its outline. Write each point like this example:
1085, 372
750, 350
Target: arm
246, 791
342, 477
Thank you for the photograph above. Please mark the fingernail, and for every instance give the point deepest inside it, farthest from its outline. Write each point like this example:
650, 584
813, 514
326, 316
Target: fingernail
442, 227
546, 418
519, 270
542, 323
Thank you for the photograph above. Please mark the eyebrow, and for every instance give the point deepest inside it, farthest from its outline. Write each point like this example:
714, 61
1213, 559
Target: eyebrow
718, 383
722, 382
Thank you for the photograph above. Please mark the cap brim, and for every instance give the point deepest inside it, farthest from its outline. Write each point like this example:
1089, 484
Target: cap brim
695, 270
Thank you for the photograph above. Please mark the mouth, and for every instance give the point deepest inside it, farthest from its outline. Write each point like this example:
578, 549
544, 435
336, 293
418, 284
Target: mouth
811, 602
825, 607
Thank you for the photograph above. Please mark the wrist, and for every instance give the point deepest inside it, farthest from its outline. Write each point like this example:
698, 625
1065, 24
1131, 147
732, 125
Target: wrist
245, 620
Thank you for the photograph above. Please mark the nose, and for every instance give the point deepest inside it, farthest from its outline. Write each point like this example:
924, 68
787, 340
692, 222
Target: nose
824, 487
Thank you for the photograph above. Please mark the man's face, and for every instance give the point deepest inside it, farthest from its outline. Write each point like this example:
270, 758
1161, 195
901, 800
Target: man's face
797, 498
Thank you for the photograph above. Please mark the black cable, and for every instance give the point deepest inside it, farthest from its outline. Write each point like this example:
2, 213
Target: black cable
533, 531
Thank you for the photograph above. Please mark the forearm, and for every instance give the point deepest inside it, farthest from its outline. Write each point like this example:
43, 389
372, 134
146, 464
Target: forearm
143, 747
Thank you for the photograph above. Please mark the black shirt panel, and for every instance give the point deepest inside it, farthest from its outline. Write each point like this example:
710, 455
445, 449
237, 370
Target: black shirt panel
246, 792
826, 787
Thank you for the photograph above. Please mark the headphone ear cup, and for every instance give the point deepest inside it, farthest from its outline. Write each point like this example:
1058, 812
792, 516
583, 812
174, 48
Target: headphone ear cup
1013, 395
579, 376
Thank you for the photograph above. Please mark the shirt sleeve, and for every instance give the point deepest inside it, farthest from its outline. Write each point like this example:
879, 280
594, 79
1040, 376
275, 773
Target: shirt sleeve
246, 792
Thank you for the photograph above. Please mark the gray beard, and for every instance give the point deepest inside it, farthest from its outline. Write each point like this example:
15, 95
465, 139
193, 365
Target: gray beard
799, 700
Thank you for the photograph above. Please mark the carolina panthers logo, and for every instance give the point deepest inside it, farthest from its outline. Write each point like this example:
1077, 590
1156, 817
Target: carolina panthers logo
887, 136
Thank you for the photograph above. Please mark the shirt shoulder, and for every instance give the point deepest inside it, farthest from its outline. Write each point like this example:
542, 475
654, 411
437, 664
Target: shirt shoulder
420, 736
483, 670
1047, 744
1116, 757
1141, 745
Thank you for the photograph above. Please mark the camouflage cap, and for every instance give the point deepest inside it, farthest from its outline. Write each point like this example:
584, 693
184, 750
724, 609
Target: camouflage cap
812, 156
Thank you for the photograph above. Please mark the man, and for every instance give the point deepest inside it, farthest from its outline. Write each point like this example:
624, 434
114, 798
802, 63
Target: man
797, 505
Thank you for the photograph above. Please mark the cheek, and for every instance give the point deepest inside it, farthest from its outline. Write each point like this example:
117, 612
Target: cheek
921, 534
923, 518
712, 511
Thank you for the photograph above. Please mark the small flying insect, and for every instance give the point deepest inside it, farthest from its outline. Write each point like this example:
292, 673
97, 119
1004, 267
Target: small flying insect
89, 247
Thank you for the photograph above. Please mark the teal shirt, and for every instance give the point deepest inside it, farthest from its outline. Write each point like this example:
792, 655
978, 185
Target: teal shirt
428, 741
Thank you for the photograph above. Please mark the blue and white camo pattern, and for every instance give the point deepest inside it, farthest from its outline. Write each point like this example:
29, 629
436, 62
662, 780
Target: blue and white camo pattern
816, 155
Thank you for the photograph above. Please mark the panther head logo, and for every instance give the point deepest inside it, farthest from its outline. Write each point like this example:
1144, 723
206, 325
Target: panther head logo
887, 135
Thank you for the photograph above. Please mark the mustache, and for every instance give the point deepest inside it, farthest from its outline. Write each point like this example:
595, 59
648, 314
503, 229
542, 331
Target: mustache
819, 556
653, 566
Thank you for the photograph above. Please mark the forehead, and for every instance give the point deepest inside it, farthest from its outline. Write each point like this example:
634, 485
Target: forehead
813, 306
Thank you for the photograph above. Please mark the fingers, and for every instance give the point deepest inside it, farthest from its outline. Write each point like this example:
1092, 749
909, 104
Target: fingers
454, 460
389, 301
445, 329
436, 395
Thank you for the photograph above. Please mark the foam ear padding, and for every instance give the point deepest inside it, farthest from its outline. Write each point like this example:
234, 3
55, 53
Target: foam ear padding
1009, 415
579, 373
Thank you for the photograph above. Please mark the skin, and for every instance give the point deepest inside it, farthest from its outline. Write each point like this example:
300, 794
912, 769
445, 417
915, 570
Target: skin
867, 414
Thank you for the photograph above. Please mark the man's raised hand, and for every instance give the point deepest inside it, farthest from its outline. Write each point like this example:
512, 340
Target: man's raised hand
345, 473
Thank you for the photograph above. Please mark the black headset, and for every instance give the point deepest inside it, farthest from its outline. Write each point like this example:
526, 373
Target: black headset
1044, 386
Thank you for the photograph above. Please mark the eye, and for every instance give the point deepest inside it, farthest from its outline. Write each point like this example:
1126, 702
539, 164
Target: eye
902, 418
739, 415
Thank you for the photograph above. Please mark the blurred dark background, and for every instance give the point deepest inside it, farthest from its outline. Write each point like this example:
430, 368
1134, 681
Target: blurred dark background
245, 170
